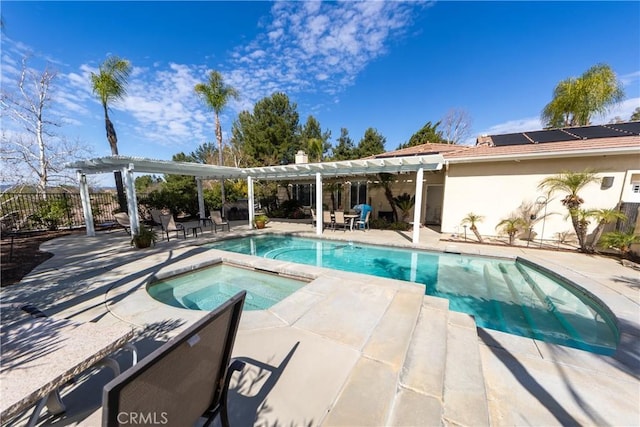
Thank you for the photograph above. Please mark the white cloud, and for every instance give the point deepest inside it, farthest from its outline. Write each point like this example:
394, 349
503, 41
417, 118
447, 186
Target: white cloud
628, 79
622, 110
316, 46
303, 47
513, 126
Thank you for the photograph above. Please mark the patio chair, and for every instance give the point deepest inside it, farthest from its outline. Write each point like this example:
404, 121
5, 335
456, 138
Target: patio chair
327, 220
216, 219
122, 218
169, 225
185, 379
340, 220
313, 218
155, 217
364, 223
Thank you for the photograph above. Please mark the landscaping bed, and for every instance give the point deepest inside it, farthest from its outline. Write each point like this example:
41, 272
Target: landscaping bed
25, 255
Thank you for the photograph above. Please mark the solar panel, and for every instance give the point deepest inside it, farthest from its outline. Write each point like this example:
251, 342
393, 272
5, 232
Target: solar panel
553, 135
588, 132
630, 127
509, 139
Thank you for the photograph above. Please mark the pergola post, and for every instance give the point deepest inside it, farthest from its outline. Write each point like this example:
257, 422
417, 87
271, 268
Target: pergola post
132, 200
319, 222
200, 198
251, 201
417, 207
86, 204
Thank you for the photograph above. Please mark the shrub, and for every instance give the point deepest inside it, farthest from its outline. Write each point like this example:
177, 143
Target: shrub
379, 223
50, 213
399, 226
620, 241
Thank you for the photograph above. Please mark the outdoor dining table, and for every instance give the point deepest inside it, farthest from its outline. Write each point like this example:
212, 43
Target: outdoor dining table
41, 355
352, 219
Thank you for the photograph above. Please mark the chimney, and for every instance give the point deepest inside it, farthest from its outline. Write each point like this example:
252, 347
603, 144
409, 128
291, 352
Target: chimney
301, 157
484, 140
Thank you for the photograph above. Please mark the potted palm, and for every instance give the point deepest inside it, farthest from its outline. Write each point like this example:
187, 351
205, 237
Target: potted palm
260, 221
144, 238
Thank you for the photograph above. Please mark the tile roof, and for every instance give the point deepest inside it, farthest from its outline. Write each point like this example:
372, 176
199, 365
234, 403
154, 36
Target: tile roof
538, 144
419, 150
548, 149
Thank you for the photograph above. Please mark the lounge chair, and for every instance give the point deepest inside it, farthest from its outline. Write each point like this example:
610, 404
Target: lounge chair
327, 220
122, 219
216, 219
364, 222
340, 220
169, 225
185, 379
313, 218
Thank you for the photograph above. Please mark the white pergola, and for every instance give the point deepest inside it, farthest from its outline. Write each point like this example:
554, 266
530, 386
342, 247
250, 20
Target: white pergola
305, 171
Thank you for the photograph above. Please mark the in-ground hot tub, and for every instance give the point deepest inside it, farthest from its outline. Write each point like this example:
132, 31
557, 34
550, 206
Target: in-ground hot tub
208, 287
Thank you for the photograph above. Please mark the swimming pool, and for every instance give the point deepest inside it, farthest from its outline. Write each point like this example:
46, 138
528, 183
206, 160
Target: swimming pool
208, 287
502, 294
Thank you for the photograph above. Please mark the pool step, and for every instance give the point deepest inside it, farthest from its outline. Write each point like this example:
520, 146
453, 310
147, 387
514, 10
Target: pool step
368, 394
442, 381
420, 367
465, 396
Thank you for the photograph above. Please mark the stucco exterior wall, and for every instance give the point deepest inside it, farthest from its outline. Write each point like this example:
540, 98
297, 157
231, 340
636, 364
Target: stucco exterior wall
496, 189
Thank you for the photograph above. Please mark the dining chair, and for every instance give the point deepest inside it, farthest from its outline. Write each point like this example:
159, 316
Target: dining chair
340, 220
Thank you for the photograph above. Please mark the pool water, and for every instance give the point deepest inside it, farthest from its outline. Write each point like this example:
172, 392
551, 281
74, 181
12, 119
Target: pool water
501, 294
209, 287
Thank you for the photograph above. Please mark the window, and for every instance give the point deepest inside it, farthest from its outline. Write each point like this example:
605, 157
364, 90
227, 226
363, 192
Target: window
305, 194
635, 187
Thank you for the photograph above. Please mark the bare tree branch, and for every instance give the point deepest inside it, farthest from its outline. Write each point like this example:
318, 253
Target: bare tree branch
35, 155
456, 126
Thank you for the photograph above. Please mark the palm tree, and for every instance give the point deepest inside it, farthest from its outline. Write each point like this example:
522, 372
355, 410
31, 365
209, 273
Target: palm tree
315, 147
384, 181
472, 219
576, 100
620, 241
405, 203
571, 183
215, 94
332, 187
109, 85
511, 226
604, 217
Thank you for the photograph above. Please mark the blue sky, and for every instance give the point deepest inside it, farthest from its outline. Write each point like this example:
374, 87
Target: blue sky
392, 66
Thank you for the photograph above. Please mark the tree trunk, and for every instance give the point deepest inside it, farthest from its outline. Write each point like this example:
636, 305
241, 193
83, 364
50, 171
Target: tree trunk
389, 195
220, 160
597, 233
113, 143
475, 231
581, 231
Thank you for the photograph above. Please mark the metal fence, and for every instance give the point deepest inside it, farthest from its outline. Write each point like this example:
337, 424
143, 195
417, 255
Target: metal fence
33, 211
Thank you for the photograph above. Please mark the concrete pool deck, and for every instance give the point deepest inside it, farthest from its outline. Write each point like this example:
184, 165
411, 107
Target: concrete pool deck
352, 349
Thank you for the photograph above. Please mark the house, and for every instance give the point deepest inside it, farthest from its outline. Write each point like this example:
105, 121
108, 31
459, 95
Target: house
496, 178
501, 174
